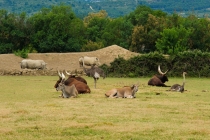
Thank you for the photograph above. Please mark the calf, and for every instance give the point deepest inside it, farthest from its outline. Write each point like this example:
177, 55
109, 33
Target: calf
68, 91
124, 92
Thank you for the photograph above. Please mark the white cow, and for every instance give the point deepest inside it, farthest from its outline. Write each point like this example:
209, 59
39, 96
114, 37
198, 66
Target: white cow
88, 61
32, 64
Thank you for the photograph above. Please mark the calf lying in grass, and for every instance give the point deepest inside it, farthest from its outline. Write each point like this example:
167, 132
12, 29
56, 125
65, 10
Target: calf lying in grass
67, 91
124, 92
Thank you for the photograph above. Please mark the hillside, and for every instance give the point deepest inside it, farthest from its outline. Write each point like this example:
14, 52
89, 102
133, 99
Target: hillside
114, 8
65, 61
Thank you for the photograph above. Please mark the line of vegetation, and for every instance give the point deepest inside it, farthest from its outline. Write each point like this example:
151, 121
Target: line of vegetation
58, 29
195, 63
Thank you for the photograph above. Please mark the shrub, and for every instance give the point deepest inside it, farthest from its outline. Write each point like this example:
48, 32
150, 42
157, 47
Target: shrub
22, 53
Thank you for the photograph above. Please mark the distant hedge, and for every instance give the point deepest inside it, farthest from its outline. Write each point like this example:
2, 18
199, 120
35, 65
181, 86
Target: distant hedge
195, 63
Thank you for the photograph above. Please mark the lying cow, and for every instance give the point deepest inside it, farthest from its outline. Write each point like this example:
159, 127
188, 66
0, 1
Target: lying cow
88, 61
80, 86
124, 92
67, 91
33, 64
158, 80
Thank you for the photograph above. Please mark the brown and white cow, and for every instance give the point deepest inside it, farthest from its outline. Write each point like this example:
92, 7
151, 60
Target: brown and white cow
80, 86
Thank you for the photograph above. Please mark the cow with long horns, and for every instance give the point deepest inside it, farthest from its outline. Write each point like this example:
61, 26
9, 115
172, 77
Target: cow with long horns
81, 87
159, 80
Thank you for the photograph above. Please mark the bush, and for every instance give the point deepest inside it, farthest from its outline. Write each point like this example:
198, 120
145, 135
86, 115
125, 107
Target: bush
195, 63
22, 53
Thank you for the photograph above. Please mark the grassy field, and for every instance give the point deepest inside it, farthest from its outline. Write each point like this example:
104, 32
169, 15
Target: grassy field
31, 109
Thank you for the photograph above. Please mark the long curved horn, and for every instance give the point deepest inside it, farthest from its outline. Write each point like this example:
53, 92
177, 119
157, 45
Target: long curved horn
63, 76
159, 70
59, 74
67, 73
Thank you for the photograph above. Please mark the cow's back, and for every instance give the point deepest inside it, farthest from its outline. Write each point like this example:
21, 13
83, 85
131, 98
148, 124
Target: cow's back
112, 92
124, 91
80, 86
33, 64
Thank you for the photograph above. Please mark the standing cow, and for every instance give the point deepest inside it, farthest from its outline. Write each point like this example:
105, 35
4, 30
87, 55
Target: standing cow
158, 80
88, 61
33, 64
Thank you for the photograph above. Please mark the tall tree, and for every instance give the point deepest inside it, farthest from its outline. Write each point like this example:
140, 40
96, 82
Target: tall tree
173, 40
15, 32
200, 37
145, 36
118, 31
57, 30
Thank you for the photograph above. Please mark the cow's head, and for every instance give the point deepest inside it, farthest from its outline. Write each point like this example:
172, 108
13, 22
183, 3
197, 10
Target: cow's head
97, 62
61, 80
162, 75
134, 89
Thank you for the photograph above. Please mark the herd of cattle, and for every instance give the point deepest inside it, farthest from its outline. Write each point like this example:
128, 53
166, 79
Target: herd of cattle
74, 85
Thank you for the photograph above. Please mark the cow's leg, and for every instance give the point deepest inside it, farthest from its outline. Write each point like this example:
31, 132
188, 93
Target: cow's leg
129, 96
61, 96
113, 95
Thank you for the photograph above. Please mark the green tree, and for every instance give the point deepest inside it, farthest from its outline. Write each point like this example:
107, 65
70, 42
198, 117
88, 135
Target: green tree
57, 30
15, 32
145, 36
200, 36
96, 24
118, 31
173, 40
141, 14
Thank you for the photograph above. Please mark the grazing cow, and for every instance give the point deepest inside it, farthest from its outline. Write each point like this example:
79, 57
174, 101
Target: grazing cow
33, 64
124, 92
67, 91
88, 61
80, 86
158, 80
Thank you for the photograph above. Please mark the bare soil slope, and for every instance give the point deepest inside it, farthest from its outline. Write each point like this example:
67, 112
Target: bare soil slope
67, 61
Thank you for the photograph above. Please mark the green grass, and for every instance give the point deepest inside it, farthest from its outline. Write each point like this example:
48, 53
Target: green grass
31, 109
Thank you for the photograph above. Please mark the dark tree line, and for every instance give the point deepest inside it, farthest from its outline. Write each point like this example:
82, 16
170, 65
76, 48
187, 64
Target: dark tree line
58, 29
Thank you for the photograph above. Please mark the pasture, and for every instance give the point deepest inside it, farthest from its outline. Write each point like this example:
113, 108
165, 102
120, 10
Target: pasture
31, 109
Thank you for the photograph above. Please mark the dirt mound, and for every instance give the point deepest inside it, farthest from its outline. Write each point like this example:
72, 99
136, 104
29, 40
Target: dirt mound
68, 61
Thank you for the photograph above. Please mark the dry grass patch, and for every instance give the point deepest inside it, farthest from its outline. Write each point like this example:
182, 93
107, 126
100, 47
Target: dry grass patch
31, 109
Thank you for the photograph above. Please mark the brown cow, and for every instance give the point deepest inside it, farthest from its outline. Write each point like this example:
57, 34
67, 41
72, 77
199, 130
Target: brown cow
124, 92
70, 76
80, 86
158, 80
